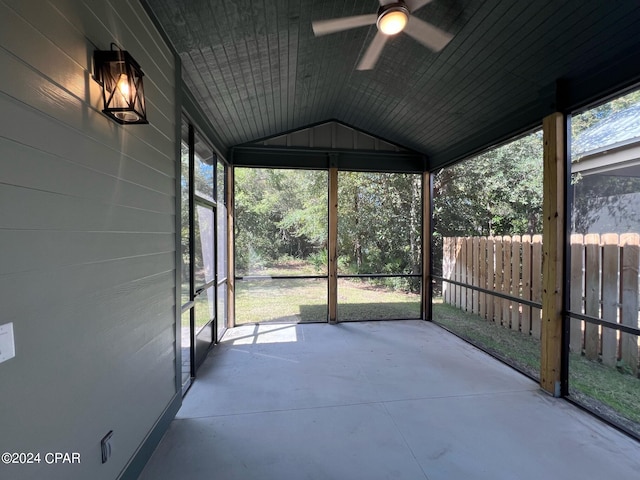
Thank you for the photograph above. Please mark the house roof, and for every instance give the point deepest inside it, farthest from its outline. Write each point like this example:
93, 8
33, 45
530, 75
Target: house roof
257, 70
619, 129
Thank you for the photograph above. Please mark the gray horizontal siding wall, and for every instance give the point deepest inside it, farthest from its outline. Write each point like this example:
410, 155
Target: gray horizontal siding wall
87, 238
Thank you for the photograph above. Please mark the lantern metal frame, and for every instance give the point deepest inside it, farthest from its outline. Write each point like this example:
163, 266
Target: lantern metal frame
122, 89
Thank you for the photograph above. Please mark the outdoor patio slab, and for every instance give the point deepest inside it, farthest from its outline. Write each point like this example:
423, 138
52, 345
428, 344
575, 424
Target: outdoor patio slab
348, 442
377, 400
523, 435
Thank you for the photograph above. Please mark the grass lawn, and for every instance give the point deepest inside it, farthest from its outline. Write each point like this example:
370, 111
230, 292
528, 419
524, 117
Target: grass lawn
291, 300
360, 300
522, 351
305, 300
613, 393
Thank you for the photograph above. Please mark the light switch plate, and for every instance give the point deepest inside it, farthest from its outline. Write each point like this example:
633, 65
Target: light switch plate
7, 344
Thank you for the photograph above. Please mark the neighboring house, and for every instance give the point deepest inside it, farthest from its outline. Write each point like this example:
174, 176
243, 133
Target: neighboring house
607, 157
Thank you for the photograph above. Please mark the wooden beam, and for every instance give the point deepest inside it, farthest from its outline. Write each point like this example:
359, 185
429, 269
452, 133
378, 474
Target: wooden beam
427, 291
333, 245
231, 271
553, 236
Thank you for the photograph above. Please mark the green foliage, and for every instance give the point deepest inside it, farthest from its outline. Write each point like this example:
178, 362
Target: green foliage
319, 260
380, 222
283, 214
279, 213
500, 191
496, 193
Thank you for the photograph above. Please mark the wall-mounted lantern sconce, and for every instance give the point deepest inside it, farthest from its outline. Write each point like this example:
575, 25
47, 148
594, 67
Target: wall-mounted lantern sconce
122, 90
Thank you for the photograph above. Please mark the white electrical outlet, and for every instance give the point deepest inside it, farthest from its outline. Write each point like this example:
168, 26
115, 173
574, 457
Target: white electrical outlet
7, 344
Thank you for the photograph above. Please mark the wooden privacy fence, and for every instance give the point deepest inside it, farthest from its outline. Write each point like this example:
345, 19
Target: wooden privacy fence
604, 284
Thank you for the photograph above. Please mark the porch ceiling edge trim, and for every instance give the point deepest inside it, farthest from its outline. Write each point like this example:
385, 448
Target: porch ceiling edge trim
322, 158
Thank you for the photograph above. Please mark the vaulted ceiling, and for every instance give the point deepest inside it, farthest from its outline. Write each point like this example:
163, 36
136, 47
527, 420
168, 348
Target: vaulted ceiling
257, 70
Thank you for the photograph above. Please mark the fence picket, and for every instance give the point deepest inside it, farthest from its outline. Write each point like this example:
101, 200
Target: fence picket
482, 277
457, 273
452, 270
629, 348
490, 279
604, 284
506, 278
536, 284
462, 274
592, 294
610, 297
525, 325
499, 271
515, 281
446, 266
576, 295
469, 263
476, 274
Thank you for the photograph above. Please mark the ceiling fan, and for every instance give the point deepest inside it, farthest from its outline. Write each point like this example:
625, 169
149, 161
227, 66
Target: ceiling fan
392, 18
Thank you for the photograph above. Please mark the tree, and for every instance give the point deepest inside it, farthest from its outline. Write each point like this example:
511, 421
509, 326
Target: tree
279, 213
496, 193
283, 213
379, 224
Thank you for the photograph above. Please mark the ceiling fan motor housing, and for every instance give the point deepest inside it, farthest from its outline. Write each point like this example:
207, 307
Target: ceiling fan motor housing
392, 18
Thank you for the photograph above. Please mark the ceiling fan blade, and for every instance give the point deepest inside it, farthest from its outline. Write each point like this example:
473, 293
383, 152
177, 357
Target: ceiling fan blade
414, 5
324, 27
428, 35
373, 52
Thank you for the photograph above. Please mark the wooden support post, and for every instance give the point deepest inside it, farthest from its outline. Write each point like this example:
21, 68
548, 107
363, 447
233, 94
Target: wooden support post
333, 245
231, 271
426, 247
553, 228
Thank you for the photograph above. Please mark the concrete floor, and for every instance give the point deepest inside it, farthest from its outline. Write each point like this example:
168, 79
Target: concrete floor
377, 400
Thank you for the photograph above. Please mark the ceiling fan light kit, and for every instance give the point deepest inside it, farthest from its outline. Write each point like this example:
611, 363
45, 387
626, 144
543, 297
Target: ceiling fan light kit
391, 19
